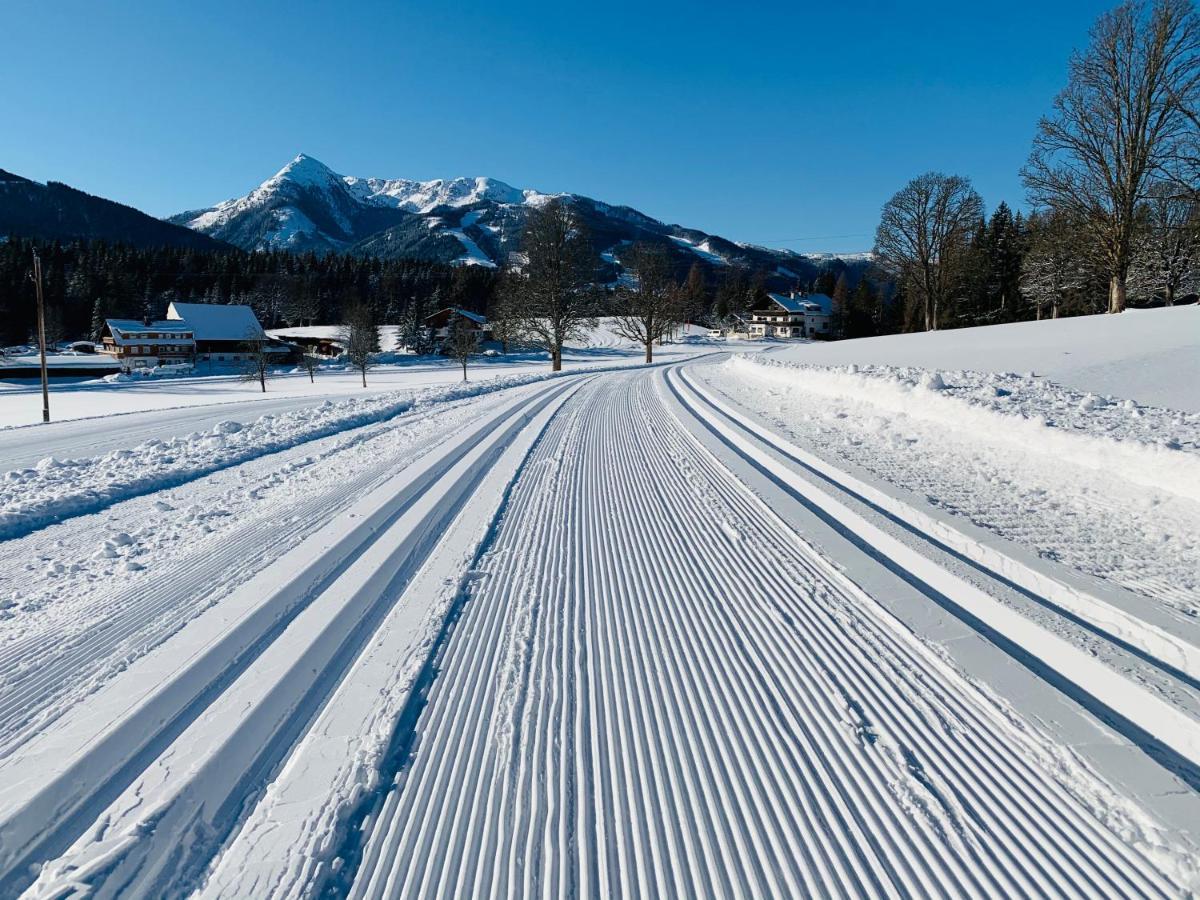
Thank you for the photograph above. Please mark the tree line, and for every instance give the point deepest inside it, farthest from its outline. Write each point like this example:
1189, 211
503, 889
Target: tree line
1113, 180
86, 282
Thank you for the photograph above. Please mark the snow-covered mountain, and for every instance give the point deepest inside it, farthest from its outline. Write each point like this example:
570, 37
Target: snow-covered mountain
469, 221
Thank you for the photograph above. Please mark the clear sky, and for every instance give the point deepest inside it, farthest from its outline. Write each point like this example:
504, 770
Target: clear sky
786, 123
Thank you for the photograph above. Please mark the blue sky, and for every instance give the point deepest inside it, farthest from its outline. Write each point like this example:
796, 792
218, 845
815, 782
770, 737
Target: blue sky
783, 123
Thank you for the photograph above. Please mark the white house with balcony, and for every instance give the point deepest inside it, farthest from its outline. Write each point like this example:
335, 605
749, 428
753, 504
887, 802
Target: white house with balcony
788, 316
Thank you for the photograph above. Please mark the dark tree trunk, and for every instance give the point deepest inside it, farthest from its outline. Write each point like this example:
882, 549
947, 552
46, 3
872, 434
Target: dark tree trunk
649, 351
556, 360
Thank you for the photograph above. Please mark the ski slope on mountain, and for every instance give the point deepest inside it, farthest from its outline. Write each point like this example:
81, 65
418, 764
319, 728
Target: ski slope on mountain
719, 627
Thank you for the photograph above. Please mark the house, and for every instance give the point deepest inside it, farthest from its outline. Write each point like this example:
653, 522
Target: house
315, 340
144, 344
779, 316
818, 315
223, 333
791, 316
440, 323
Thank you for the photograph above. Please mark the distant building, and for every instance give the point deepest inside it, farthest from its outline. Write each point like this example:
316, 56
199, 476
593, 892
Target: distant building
145, 344
818, 315
791, 316
222, 332
440, 323
191, 332
315, 340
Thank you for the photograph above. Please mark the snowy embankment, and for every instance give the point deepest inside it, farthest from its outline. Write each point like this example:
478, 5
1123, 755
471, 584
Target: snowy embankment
1151, 356
1154, 447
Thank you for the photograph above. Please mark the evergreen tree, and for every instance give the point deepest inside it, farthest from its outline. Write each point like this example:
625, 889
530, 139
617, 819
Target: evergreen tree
99, 315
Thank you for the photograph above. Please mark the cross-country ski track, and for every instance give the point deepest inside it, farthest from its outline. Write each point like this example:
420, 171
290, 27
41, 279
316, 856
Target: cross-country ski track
602, 635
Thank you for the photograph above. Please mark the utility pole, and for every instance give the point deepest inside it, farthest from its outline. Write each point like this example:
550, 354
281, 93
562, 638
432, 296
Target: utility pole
41, 321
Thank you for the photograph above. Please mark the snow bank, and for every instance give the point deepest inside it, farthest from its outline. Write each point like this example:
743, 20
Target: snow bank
1154, 447
58, 488
1148, 355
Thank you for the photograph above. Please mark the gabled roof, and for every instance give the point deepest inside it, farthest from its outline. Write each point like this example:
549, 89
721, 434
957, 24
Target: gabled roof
125, 331
821, 303
788, 304
465, 313
808, 303
137, 326
216, 322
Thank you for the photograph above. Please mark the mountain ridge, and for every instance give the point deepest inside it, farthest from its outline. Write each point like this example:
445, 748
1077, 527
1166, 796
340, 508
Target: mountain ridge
57, 211
467, 221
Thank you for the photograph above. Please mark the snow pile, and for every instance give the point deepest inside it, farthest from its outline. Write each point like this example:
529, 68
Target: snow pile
1148, 355
1150, 446
157, 372
58, 488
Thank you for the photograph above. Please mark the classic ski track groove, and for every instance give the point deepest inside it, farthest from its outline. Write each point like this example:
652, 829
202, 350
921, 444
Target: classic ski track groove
660, 689
1123, 700
1177, 654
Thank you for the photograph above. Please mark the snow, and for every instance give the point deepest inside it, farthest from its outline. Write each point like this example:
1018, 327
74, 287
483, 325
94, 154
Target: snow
32, 361
302, 172
215, 321
20, 404
874, 627
702, 249
474, 256
1150, 356
424, 196
389, 335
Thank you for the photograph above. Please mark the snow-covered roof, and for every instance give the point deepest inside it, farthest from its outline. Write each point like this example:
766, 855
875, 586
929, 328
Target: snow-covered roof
215, 322
788, 304
124, 331
465, 313
131, 326
808, 303
822, 302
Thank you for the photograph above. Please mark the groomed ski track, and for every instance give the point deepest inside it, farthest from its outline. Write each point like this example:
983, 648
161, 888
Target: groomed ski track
659, 689
570, 651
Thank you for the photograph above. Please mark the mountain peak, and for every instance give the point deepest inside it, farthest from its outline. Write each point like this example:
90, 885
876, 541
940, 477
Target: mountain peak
304, 169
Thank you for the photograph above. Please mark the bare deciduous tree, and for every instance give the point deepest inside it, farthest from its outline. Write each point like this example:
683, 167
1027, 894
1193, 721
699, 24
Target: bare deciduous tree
462, 340
1056, 270
1167, 249
1118, 126
362, 338
257, 361
550, 300
649, 307
311, 362
923, 236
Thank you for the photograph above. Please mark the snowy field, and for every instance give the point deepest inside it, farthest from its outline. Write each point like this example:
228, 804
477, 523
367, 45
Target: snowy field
868, 619
1150, 356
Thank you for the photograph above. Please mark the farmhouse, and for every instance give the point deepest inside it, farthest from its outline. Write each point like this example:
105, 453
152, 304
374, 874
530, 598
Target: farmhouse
440, 323
316, 340
791, 316
221, 332
145, 344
